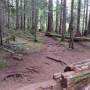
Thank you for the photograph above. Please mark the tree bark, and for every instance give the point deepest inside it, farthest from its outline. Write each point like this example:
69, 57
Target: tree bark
24, 15
64, 20
60, 27
89, 24
78, 16
34, 18
57, 17
21, 16
83, 27
1, 41
8, 14
71, 42
86, 15
17, 16
50, 16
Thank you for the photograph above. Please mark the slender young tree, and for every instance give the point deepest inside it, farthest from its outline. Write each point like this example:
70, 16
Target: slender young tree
64, 20
50, 16
34, 18
71, 42
21, 5
24, 15
89, 24
8, 14
86, 19
1, 41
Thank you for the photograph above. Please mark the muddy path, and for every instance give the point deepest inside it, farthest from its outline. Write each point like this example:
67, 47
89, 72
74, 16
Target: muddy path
36, 67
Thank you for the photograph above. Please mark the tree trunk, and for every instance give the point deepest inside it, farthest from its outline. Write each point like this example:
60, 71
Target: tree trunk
89, 24
34, 18
57, 17
78, 16
71, 42
8, 14
17, 16
50, 16
1, 41
21, 16
83, 27
86, 15
64, 20
60, 27
24, 15
28, 22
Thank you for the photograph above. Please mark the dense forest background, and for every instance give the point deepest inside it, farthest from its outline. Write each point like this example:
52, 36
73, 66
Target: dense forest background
57, 16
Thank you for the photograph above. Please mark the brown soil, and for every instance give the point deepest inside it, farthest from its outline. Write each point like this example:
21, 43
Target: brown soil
36, 67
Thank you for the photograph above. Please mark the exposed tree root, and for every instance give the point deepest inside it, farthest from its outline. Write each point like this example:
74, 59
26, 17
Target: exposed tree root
16, 75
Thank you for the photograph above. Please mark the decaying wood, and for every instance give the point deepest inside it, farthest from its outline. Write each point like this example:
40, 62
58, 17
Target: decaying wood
68, 37
56, 60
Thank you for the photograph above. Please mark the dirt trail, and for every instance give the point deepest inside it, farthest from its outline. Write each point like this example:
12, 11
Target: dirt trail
36, 67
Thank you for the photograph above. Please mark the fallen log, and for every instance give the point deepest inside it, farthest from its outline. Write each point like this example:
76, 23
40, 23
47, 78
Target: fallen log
68, 37
76, 79
73, 80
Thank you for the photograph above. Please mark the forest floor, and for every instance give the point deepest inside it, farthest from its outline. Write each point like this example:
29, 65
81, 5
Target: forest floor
36, 66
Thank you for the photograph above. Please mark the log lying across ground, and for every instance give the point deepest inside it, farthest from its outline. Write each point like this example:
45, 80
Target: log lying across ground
68, 37
56, 60
77, 79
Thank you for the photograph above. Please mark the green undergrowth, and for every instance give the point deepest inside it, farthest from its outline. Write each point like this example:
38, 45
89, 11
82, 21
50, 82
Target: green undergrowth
23, 42
3, 64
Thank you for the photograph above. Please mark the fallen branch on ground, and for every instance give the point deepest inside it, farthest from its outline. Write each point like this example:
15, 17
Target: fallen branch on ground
56, 60
8, 50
